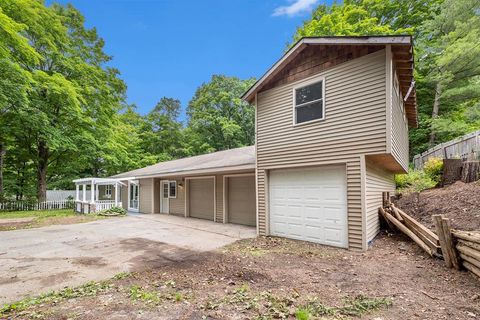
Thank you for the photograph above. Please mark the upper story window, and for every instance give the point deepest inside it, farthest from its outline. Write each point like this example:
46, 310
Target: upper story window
309, 102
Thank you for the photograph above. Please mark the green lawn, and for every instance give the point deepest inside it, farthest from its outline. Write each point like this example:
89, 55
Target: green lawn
39, 213
43, 218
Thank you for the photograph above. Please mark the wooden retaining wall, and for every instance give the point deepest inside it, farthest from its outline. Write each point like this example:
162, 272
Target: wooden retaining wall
460, 249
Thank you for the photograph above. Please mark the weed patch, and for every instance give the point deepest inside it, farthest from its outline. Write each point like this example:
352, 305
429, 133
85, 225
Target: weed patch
141, 294
88, 289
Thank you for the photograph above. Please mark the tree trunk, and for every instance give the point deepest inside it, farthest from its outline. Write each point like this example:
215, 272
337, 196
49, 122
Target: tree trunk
436, 109
43, 155
3, 151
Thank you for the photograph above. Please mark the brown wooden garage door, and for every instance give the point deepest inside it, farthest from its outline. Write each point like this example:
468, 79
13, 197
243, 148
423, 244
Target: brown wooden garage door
241, 200
201, 198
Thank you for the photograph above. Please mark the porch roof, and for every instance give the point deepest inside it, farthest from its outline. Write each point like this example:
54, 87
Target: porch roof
233, 159
97, 181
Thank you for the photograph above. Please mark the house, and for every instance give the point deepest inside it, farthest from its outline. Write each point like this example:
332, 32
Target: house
332, 119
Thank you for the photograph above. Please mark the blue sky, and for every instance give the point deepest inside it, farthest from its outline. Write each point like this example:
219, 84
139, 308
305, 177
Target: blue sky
170, 47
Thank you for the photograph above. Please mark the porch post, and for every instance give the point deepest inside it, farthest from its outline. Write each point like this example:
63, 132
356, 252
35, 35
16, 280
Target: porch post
116, 194
92, 191
84, 192
77, 192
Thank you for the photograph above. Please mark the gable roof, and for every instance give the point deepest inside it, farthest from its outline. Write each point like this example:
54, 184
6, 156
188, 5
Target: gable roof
234, 159
402, 54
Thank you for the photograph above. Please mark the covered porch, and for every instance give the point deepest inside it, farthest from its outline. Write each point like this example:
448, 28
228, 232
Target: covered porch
97, 194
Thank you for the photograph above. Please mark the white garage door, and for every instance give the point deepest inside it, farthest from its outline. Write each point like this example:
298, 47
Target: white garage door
309, 204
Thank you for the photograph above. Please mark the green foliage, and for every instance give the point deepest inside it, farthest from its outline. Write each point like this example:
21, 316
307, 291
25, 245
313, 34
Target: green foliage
448, 69
302, 314
414, 181
141, 294
178, 297
218, 118
86, 290
433, 168
419, 180
366, 17
38, 214
114, 211
361, 305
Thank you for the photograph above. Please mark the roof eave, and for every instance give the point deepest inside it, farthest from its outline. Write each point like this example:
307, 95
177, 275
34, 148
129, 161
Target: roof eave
213, 170
333, 40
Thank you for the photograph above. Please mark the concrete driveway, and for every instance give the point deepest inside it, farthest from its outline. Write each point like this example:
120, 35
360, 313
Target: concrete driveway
39, 260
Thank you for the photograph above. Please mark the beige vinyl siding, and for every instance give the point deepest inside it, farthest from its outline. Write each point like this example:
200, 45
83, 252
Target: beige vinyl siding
219, 198
145, 196
377, 181
177, 205
399, 126
262, 191
355, 124
156, 196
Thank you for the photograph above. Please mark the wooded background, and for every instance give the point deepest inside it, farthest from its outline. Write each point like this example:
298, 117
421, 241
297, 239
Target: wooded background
63, 112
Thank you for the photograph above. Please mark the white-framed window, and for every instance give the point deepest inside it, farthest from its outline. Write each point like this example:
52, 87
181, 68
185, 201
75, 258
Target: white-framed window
108, 191
172, 189
309, 102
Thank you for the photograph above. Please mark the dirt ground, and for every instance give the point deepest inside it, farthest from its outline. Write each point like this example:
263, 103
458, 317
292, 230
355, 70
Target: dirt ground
33, 261
460, 202
269, 278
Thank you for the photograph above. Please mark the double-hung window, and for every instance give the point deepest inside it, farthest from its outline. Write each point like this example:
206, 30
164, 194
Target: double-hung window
309, 102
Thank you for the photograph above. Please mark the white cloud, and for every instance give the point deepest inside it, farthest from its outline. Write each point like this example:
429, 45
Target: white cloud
297, 7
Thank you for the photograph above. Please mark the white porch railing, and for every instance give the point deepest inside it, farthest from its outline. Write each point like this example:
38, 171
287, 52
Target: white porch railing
105, 204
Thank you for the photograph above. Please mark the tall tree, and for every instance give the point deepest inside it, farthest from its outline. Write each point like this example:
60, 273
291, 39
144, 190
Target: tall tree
14, 80
449, 64
162, 132
72, 95
366, 17
218, 118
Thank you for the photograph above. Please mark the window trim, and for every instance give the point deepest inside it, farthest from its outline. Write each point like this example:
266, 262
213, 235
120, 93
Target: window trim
169, 189
294, 99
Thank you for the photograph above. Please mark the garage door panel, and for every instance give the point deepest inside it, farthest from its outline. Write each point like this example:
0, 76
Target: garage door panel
242, 200
334, 236
309, 204
201, 198
335, 214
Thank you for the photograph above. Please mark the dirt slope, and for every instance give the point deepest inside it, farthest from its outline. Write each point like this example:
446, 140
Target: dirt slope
460, 202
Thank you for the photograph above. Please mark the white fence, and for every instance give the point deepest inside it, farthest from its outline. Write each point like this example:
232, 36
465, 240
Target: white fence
30, 206
467, 146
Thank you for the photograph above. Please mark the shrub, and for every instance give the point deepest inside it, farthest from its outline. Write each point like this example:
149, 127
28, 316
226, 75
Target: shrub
414, 181
115, 211
433, 168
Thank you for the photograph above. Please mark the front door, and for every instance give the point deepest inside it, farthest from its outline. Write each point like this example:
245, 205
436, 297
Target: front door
164, 202
133, 195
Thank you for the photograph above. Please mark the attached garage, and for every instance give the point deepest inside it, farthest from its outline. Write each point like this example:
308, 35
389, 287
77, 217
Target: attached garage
201, 198
309, 204
240, 199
